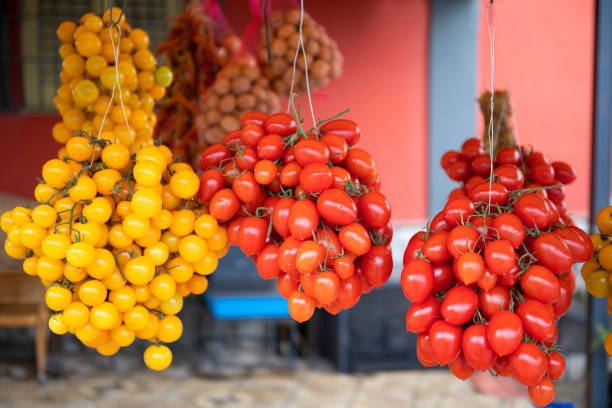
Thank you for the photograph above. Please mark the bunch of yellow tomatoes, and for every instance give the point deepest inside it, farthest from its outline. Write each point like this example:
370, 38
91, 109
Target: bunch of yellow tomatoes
597, 271
96, 56
118, 236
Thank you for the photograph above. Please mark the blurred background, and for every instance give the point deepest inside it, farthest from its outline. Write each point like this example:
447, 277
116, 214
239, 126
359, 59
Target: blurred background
413, 70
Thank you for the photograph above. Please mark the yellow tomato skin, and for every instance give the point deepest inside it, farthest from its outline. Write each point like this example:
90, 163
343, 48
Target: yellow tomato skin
139, 270
170, 329
163, 286
158, 357
137, 318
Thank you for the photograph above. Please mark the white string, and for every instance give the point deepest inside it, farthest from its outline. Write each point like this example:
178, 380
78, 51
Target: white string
491, 11
297, 51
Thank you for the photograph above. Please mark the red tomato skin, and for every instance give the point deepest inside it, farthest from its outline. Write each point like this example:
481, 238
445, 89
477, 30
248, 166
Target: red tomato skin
290, 174
476, 348
481, 165
303, 219
336, 207
532, 210
542, 173
330, 243
280, 124
232, 137
469, 268
528, 364
577, 241
535, 158
287, 254
539, 282
247, 160
360, 164
492, 300
458, 192
345, 128
420, 316
232, 230
537, 319
417, 280
435, 249
462, 239
326, 287
374, 209
556, 365
355, 238
344, 267
415, 244
556, 195
551, 251
445, 341
280, 216
487, 281
458, 211
500, 257
211, 181
424, 353
510, 278
461, 368
224, 204
502, 366
247, 188
337, 146
251, 134
255, 117
510, 228
311, 152
542, 393
301, 306
438, 223
377, 265
267, 262
349, 292
492, 192
458, 171
510, 176
270, 147
471, 148
286, 285
315, 178
565, 173
444, 278
448, 158
459, 305
505, 332
508, 155
252, 235
471, 182
214, 155
309, 256
340, 176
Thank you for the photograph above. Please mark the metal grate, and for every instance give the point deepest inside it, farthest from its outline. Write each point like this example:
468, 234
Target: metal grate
39, 19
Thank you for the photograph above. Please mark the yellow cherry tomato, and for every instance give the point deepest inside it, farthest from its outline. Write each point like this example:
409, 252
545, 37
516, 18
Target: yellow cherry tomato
139, 270
163, 286
147, 174
207, 265
137, 318
150, 328
114, 281
598, 283
157, 358
605, 257
180, 269
122, 336
89, 232
74, 274
604, 220
158, 252
80, 254
192, 248
169, 200
45, 193
135, 226
218, 241
163, 76
143, 292
104, 316
588, 268
108, 348
76, 314
57, 324
65, 31
29, 265
116, 156
171, 241
99, 210
182, 222
118, 238
106, 180
49, 269
92, 293
6, 221
152, 303
172, 306
57, 298
84, 189
184, 184
85, 93
102, 265
170, 329
608, 344
154, 155
31, 235
56, 173
152, 236
124, 298
205, 226
44, 215
197, 284
146, 203
87, 333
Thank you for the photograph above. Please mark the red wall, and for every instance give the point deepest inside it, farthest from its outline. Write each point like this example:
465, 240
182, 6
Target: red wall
544, 56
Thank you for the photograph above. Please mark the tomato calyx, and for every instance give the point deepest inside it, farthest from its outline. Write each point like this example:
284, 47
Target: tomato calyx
378, 239
355, 189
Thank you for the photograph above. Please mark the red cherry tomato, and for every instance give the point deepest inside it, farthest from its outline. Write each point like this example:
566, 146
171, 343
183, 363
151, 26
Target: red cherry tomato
487, 280
565, 173
232, 137
435, 249
424, 353
476, 348
336, 207
508, 155
267, 262
309, 257
532, 210
265, 172
469, 268
326, 286
458, 211
255, 117
251, 134
344, 267
542, 173
481, 165
535, 158
444, 277
355, 239
542, 393
232, 230
315, 178
287, 254
556, 365
377, 265
415, 245
502, 366
360, 164
461, 368
438, 223
462, 239
471, 148
459, 171
214, 155
341, 176
247, 159
500, 257
280, 216
286, 285
459, 305
349, 292
280, 124
270, 147
510, 228
494, 300
537, 319
374, 209
252, 235
551, 251
417, 280
492, 192
290, 174
345, 128
448, 158
459, 192
211, 181
528, 364
420, 316
247, 188
561, 306
330, 242
303, 219
505, 332
311, 152
337, 146
577, 241
557, 194
445, 341
510, 176
471, 182
538, 282
301, 306
224, 204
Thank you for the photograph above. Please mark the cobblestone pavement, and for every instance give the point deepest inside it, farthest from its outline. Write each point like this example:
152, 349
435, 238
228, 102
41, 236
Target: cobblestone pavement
303, 387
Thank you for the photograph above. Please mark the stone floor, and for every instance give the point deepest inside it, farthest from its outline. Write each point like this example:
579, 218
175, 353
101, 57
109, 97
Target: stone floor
308, 385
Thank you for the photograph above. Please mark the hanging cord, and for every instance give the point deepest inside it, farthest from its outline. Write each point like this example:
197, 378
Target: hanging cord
491, 17
267, 27
116, 84
297, 51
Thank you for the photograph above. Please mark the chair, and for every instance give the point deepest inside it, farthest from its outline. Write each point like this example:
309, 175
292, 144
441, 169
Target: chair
22, 305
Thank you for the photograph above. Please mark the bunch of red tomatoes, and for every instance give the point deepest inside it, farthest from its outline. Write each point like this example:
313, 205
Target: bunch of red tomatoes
492, 274
305, 205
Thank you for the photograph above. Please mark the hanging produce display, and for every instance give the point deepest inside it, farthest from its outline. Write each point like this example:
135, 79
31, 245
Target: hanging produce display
596, 271
238, 88
323, 57
492, 274
118, 236
94, 59
195, 52
305, 205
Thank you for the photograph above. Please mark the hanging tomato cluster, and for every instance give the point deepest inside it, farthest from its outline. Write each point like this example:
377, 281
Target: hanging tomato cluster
492, 274
118, 236
305, 205
596, 271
